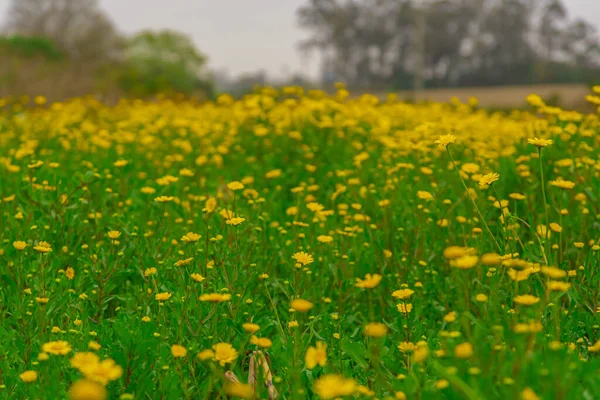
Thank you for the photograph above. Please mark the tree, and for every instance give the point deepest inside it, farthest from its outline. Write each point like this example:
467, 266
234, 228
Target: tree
165, 61
447, 42
77, 27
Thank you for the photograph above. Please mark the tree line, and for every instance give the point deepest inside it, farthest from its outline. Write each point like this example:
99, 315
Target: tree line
447, 43
68, 48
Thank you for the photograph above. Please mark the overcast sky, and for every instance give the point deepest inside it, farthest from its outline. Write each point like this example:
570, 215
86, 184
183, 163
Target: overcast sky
243, 35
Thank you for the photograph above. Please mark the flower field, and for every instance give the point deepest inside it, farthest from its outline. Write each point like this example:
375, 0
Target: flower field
322, 246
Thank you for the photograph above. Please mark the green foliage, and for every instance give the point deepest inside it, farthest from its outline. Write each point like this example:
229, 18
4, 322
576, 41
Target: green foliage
163, 62
24, 46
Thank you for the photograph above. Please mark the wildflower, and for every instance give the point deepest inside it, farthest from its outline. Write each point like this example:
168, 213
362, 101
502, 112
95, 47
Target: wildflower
94, 346
301, 305
526, 299
102, 372
423, 195
558, 286
43, 247
316, 355
70, 273
562, 184
57, 348
85, 389
84, 360
163, 296
224, 353
293, 324
206, 355
537, 142
595, 348
210, 205
182, 263
114, 235
445, 140
190, 237
324, 239
488, 179
553, 272
407, 347
404, 308
241, 390
250, 328
197, 277
178, 351
481, 298
215, 297
303, 258
464, 262
261, 342
529, 394
19, 245
164, 199
375, 329
463, 350
28, 376
332, 386
235, 185
369, 282
403, 294
235, 221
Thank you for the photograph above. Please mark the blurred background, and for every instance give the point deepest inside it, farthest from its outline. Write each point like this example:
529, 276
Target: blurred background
496, 50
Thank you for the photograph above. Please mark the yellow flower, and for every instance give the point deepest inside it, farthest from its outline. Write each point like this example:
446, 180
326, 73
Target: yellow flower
553, 272
423, 195
85, 359
250, 328
215, 297
369, 282
445, 140
84, 389
265, 343
463, 350
481, 298
181, 263
210, 205
558, 286
407, 347
595, 348
241, 390
441, 384
190, 237
332, 386
303, 258
102, 372
404, 308
57, 348
403, 294
316, 356
224, 353
375, 329
526, 299
163, 296
70, 273
235, 221
28, 376
563, 184
206, 355
164, 199
114, 235
19, 245
94, 346
197, 277
529, 394
235, 185
488, 179
464, 262
537, 142
324, 239
178, 351
43, 247
301, 305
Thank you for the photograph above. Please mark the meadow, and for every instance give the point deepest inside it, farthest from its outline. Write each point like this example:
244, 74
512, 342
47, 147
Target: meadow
325, 246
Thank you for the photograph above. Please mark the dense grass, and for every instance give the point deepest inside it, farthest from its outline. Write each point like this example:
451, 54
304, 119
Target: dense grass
177, 237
